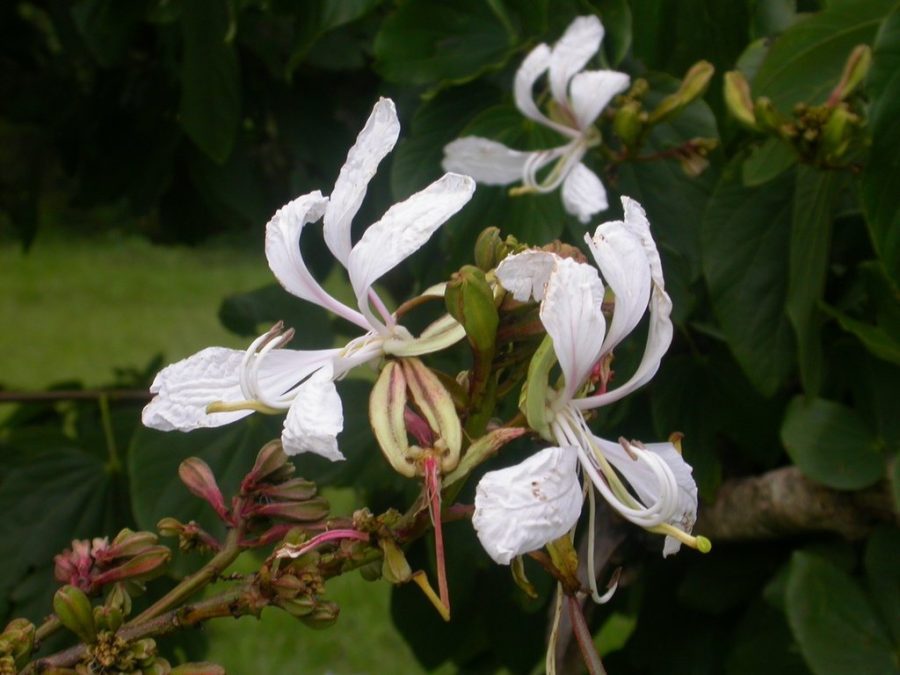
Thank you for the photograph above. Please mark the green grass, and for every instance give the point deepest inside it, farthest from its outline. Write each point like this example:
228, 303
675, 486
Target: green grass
77, 309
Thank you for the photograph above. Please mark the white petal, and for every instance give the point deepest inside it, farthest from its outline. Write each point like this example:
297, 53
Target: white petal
636, 221
526, 274
486, 161
572, 52
583, 193
535, 65
184, 389
620, 256
571, 313
523, 507
374, 142
592, 90
281, 369
403, 230
315, 418
641, 478
283, 253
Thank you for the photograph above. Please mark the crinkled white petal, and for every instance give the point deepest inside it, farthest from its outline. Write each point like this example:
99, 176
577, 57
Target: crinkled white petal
645, 484
636, 220
281, 369
374, 142
526, 274
184, 389
403, 229
486, 161
283, 253
315, 418
535, 65
620, 256
592, 90
583, 193
572, 52
523, 507
571, 313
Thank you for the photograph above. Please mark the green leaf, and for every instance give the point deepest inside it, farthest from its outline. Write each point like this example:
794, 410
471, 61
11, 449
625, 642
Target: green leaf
210, 106
108, 27
247, 313
814, 197
767, 161
875, 338
805, 62
746, 235
60, 495
763, 643
831, 444
883, 575
881, 177
315, 18
616, 18
833, 622
424, 42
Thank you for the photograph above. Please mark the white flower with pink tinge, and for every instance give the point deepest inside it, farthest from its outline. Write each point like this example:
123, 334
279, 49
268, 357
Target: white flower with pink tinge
524, 507
217, 386
577, 98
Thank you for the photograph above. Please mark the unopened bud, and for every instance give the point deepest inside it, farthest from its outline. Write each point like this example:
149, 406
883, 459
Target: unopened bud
199, 479
480, 450
270, 462
296, 489
301, 512
855, 70
199, 668
170, 527
143, 650
145, 565
108, 618
73, 608
470, 300
127, 543
490, 249
692, 87
324, 615
628, 124
17, 639
836, 132
738, 100
394, 568
297, 607
768, 118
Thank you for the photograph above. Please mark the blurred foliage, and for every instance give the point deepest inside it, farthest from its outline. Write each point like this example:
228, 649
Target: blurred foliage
197, 118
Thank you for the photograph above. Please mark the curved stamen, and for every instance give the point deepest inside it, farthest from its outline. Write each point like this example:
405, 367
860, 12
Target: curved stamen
281, 399
247, 386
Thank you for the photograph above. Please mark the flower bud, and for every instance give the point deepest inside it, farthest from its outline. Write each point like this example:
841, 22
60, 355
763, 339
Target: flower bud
270, 461
127, 543
199, 668
301, 512
768, 118
297, 607
17, 639
737, 99
470, 300
74, 611
628, 124
143, 650
199, 479
855, 70
170, 527
836, 132
145, 565
490, 249
324, 615
394, 569
387, 404
108, 618
296, 489
692, 87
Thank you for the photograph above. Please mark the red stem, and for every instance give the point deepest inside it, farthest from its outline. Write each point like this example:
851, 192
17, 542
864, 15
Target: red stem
433, 490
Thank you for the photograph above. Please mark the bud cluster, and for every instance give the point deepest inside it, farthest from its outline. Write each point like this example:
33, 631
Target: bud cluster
16, 644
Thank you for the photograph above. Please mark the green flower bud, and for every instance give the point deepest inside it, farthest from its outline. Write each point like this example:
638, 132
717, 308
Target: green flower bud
297, 607
394, 569
836, 132
768, 118
855, 70
17, 639
737, 99
108, 618
323, 616
537, 388
470, 300
127, 543
74, 610
628, 124
144, 651
490, 249
386, 414
692, 87
119, 598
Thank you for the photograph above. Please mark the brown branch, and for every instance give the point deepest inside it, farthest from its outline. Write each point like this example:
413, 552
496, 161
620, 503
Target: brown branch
784, 503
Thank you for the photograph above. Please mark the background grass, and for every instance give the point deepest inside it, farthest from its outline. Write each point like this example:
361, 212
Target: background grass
75, 309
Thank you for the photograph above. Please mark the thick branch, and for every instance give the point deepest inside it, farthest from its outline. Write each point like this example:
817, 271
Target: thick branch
784, 503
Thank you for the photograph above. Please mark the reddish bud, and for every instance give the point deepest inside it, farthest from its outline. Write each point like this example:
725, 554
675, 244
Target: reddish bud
271, 462
145, 565
296, 490
305, 511
199, 479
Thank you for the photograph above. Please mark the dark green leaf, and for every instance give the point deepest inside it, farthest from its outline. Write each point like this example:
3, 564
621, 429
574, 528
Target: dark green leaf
833, 622
881, 178
767, 161
616, 18
746, 234
108, 27
210, 108
763, 644
805, 62
831, 444
814, 197
771, 17
877, 340
883, 575
423, 42
247, 313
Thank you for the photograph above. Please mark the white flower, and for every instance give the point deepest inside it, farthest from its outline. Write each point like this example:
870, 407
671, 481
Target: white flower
579, 96
660, 494
217, 385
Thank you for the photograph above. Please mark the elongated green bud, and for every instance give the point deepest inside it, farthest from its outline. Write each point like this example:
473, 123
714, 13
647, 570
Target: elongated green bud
395, 568
855, 70
537, 387
767, 116
73, 608
17, 639
836, 132
738, 100
490, 249
323, 616
694, 84
628, 124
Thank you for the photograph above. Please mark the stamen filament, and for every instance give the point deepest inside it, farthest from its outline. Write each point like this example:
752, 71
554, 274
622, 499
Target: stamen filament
257, 406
